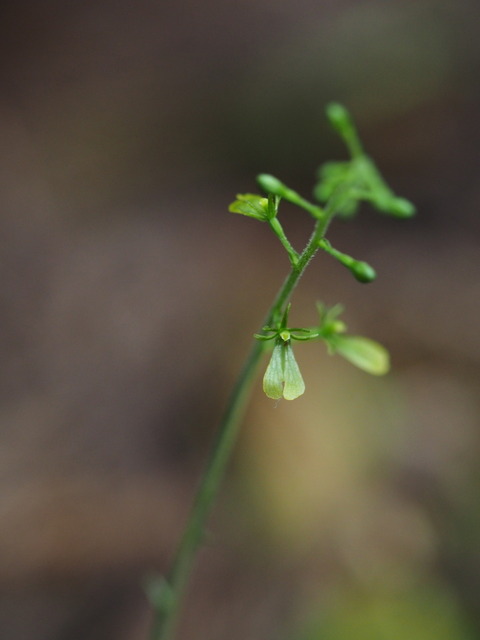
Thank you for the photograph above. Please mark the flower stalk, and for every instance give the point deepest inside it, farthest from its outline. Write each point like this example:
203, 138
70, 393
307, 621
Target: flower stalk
341, 186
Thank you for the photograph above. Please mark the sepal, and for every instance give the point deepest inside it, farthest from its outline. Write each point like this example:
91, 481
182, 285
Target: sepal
251, 205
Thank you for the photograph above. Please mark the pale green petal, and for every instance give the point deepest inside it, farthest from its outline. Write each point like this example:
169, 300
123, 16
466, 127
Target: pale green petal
273, 378
294, 384
364, 353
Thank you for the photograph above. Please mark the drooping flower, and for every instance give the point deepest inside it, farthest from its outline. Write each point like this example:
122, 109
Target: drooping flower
282, 377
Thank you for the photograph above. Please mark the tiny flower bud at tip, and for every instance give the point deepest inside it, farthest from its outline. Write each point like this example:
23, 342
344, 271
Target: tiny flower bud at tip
402, 208
339, 326
363, 272
338, 116
270, 184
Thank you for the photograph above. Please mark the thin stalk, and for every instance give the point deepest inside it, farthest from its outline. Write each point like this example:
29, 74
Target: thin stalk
280, 233
167, 603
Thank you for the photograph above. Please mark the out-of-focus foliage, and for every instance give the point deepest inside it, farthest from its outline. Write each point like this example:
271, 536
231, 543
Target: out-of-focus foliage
426, 612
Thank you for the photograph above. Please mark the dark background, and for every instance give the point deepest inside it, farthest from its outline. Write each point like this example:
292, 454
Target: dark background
129, 295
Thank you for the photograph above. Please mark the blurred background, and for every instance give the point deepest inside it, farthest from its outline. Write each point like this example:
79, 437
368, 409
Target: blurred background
129, 296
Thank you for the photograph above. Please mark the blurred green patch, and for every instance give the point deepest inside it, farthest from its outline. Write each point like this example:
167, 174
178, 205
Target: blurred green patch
427, 612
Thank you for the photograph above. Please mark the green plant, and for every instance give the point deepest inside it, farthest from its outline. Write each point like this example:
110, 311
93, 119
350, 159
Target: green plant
340, 188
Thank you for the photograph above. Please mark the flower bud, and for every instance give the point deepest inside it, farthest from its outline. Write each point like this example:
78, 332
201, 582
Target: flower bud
272, 185
362, 271
402, 208
338, 116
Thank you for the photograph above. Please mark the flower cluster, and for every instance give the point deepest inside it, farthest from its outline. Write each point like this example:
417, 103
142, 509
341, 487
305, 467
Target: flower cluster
340, 188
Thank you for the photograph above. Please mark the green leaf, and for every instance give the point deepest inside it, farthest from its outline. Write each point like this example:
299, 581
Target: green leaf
251, 205
294, 384
364, 353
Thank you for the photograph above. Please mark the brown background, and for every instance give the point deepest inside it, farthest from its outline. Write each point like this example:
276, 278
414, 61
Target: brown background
128, 297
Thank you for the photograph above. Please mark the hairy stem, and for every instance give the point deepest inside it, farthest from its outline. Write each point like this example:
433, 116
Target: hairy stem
168, 600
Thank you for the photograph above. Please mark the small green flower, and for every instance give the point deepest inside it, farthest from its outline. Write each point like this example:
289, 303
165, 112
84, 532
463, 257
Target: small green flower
282, 377
364, 353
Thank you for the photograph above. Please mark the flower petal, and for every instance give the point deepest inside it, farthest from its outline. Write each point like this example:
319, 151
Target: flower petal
294, 384
273, 378
364, 353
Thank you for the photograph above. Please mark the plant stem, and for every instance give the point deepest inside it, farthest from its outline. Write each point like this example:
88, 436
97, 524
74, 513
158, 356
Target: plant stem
280, 233
167, 603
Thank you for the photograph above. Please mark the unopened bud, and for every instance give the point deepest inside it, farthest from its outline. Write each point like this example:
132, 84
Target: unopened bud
270, 184
362, 271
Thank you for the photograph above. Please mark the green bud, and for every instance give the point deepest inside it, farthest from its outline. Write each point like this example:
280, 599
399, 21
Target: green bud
270, 184
342, 123
362, 271
339, 117
388, 203
364, 353
338, 326
382, 197
402, 208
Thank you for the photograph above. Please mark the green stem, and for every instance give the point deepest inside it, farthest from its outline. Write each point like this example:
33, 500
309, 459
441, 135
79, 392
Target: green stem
167, 603
280, 233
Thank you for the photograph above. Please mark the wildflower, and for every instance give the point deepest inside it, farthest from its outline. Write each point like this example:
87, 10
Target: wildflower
282, 377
